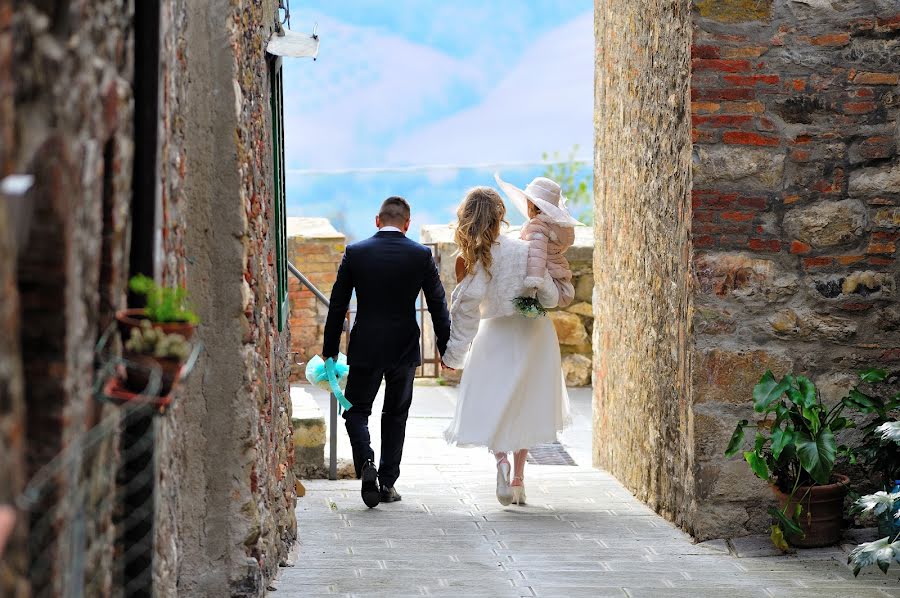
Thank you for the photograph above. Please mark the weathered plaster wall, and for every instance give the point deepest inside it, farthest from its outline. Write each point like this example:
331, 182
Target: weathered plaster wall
642, 302
233, 439
796, 187
316, 249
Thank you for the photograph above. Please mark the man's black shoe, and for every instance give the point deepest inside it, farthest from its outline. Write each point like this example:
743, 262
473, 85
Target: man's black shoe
370, 494
390, 494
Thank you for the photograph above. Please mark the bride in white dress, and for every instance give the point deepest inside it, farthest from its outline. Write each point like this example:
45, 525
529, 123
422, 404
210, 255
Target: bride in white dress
512, 394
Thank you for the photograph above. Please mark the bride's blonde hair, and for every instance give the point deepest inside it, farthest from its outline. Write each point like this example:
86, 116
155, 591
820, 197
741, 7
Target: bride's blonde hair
479, 218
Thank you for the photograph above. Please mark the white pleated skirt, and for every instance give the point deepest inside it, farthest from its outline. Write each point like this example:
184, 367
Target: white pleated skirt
512, 394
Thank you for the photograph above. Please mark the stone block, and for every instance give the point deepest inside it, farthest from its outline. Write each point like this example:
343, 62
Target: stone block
887, 218
708, 320
584, 288
805, 323
867, 284
828, 223
569, 328
734, 11
875, 180
728, 376
756, 168
308, 425
583, 308
743, 276
577, 370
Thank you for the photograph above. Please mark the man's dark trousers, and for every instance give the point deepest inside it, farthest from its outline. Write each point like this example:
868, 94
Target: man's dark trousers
387, 272
362, 386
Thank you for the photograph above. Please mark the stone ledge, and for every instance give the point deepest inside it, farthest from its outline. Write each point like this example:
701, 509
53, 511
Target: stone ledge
308, 424
312, 228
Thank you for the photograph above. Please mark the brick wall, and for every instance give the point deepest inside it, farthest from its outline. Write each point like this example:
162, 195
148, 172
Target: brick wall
796, 177
316, 249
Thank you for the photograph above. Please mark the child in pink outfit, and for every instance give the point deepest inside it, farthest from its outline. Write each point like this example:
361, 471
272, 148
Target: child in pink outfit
550, 231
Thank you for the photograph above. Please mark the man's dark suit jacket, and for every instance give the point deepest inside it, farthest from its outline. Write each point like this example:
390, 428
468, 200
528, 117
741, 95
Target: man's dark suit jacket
387, 271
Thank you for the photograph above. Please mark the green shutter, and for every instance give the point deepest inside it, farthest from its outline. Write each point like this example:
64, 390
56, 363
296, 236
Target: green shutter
278, 167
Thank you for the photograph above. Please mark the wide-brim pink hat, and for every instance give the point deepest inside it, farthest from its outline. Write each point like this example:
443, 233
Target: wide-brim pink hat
543, 193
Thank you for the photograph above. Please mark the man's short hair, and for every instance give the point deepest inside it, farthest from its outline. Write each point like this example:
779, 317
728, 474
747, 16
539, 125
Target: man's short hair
395, 210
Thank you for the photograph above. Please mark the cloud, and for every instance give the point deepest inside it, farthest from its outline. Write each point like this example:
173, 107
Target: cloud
366, 88
545, 103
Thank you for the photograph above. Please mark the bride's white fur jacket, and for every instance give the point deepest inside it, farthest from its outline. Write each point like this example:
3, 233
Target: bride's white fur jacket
483, 296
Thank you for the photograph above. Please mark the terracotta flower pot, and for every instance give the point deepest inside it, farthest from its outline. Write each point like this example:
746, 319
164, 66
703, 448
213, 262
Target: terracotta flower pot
137, 372
132, 318
822, 515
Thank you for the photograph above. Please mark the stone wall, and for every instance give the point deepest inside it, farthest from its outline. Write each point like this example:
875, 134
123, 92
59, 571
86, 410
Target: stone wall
231, 438
573, 323
642, 420
796, 187
794, 191
225, 491
65, 117
316, 249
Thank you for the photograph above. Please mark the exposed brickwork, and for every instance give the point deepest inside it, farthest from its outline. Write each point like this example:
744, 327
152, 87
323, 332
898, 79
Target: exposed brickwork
790, 201
316, 248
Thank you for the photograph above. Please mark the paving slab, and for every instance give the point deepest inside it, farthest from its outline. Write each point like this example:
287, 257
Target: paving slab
582, 534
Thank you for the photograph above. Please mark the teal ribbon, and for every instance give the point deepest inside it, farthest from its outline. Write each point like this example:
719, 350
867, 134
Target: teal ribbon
331, 374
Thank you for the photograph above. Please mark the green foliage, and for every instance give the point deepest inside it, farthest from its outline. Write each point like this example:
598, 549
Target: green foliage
148, 340
573, 178
878, 454
794, 444
164, 304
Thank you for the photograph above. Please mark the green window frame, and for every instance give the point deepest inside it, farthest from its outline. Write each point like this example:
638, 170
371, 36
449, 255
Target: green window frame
278, 167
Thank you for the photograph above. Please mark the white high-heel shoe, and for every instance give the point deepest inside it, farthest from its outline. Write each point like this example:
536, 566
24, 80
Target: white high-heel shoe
504, 492
518, 493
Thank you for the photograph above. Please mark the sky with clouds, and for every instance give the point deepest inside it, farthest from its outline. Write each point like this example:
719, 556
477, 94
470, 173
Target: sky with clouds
452, 86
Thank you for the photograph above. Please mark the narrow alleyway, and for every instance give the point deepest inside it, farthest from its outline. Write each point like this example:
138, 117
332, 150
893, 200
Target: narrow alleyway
582, 534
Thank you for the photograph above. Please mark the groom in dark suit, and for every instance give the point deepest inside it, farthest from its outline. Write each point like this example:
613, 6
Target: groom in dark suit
387, 271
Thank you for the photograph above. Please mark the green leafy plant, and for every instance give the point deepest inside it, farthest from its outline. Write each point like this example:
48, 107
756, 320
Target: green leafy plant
148, 340
164, 304
574, 179
794, 447
878, 453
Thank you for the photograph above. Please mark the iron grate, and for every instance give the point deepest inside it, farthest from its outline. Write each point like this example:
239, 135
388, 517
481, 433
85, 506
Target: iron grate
551, 453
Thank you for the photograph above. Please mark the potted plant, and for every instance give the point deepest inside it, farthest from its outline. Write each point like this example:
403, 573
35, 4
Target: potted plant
148, 348
878, 454
885, 551
167, 309
157, 335
795, 450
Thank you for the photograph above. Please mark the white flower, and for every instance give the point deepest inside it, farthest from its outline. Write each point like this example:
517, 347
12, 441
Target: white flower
878, 503
889, 431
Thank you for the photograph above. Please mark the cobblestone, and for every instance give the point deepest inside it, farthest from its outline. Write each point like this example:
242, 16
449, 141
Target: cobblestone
582, 534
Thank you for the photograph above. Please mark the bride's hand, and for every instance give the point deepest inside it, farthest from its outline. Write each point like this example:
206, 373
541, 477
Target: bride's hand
447, 367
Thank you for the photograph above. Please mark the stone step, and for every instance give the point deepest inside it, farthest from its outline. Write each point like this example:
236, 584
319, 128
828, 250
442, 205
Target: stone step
308, 423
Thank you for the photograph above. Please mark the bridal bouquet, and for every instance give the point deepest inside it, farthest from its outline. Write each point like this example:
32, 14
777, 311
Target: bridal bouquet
529, 307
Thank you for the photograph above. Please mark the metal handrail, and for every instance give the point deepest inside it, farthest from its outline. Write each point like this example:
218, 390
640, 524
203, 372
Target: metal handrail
332, 416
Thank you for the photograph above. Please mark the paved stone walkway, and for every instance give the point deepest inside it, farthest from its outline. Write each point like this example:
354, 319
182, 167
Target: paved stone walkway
582, 534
